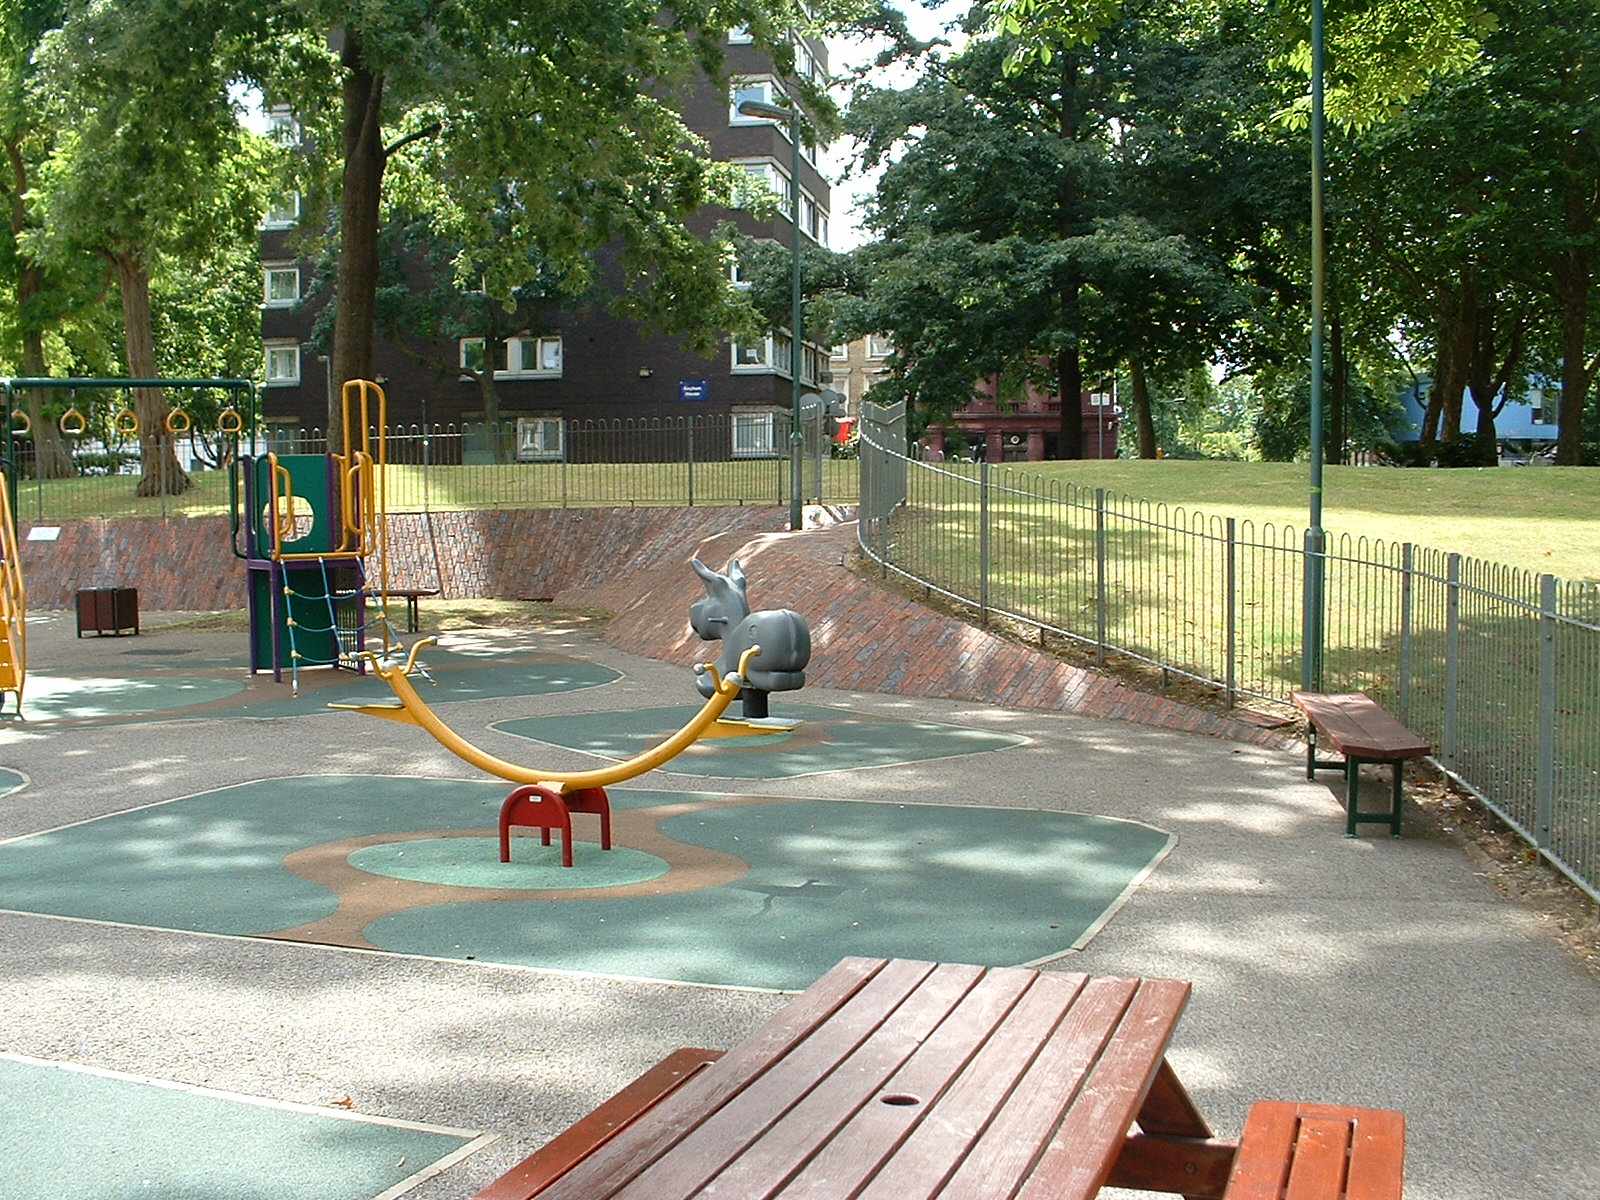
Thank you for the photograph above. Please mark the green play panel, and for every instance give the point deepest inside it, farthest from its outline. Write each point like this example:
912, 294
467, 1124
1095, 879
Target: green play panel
828, 739
756, 891
88, 1135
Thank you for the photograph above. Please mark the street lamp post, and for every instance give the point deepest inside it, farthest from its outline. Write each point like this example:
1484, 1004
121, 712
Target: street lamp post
1315, 560
790, 114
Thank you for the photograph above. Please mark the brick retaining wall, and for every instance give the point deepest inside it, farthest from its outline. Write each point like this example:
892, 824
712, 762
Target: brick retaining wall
634, 562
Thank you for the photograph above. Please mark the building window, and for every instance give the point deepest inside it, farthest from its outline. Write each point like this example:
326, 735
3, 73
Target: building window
282, 127
283, 213
473, 355
755, 356
762, 177
540, 439
282, 286
520, 357
879, 346
764, 90
539, 356
282, 435
739, 36
1546, 404
283, 364
842, 350
753, 434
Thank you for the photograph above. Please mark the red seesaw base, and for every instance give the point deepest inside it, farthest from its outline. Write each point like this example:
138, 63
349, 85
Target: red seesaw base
544, 808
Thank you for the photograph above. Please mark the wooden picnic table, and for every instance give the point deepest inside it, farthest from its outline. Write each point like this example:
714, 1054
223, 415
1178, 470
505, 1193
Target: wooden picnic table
897, 1080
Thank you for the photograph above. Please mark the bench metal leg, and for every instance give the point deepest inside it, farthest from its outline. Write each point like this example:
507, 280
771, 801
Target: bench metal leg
1353, 813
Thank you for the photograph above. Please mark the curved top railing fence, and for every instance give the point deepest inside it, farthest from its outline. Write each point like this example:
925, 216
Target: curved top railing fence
1498, 667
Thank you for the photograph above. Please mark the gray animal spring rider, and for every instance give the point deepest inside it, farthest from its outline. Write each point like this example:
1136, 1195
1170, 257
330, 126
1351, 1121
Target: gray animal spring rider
782, 635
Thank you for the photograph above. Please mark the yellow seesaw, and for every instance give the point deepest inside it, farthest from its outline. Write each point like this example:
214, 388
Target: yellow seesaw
546, 799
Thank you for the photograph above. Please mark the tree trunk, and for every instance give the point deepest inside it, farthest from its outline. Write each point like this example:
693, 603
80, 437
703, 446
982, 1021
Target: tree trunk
356, 287
1069, 367
158, 459
1144, 420
1458, 319
51, 459
1069, 380
1490, 371
1577, 370
492, 430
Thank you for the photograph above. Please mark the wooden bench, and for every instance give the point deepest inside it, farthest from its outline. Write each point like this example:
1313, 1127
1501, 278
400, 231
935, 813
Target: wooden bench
1292, 1151
548, 1163
1362, 732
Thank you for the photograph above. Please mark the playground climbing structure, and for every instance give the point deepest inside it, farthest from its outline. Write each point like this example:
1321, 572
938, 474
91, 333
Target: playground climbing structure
13, 605
316, 543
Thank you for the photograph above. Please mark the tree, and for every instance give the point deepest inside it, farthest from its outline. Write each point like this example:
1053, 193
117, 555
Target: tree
422, 304
150, 164
1474, 214
46, 297
1381, 53
527, 137
1109, 228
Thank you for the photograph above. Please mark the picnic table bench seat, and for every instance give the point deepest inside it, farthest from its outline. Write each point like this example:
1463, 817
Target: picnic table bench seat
1358, 728
1295, 1151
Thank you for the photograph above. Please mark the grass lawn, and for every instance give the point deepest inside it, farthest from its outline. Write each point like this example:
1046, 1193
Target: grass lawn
1542, 519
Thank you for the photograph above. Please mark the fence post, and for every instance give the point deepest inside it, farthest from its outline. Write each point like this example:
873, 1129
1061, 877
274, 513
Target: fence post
1544, 788
1452, 655
690, 480
983, 545
1100, 575
1407, 599
1231, 616
566, 457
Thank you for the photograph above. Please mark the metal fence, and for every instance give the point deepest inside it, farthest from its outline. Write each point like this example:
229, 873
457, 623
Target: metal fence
1498, 668
718, 459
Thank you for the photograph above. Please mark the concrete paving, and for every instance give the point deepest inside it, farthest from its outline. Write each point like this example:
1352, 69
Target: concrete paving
1370, 971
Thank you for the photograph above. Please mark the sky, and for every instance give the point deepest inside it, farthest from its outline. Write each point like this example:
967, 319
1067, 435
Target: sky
845, 232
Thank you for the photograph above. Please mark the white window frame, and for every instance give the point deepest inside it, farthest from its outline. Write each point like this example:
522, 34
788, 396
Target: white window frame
769, 173
739, 35
879, 345
526, 356
754, 433
541, 439
765, 362
1544, 405
535, 356
286, 355
764, 88
281, 126
283, 213
281, 270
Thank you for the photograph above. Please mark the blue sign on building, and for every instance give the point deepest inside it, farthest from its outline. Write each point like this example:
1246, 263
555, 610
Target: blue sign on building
692, 389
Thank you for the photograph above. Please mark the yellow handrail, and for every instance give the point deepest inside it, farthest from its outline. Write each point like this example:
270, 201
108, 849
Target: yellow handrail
13, 604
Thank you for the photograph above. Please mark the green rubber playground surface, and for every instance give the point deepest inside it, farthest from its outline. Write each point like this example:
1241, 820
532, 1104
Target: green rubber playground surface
829, 739
87, 1135
702, 887
165, 694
